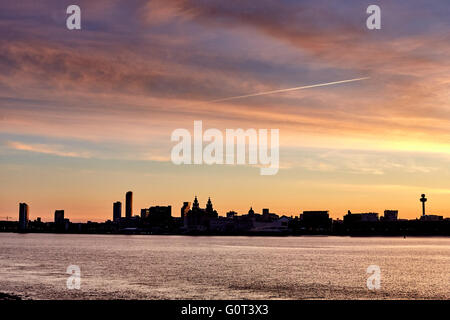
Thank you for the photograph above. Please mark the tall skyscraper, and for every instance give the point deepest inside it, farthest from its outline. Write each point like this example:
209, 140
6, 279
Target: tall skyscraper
59, 216
23, 216
117, 211
129, 205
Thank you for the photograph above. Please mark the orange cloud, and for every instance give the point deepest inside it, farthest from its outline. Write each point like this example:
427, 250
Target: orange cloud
47, 149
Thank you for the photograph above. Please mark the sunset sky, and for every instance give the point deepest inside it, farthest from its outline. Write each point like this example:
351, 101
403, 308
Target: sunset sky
86, 115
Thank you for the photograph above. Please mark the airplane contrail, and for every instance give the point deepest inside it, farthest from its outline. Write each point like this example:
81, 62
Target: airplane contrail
287, 90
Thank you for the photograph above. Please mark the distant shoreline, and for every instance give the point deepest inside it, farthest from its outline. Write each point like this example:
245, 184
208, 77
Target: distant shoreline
246, 235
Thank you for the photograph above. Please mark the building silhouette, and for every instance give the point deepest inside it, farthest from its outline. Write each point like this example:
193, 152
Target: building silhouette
129, 205
185, 209
267, 216
59, 217
145, 213
267, 222
232, 214
432, 217
198, 219
315, 221
61, 224
160, 216
360, 217
390, 215
117, 211
23, 216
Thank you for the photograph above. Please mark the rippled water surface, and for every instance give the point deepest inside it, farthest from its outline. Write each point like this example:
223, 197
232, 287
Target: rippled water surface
177, 267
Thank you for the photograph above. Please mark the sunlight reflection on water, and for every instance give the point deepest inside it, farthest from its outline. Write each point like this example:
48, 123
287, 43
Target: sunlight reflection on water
176, 267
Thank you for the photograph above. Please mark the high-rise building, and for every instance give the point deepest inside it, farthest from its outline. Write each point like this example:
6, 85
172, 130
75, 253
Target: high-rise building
117, 211
129, 205
23, 216
59, 216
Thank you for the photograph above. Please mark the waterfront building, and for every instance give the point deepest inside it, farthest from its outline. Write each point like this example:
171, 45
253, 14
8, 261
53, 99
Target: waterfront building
117, 211
431, 217
59, 217
390, 215
23, 216
129, 205
361, 217
185, 209
198, 219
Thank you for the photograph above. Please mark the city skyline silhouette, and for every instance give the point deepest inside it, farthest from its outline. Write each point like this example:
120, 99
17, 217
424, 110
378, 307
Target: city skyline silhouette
117, 214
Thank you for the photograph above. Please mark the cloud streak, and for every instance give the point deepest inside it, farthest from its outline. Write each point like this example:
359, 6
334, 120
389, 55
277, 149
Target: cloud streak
56, 150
